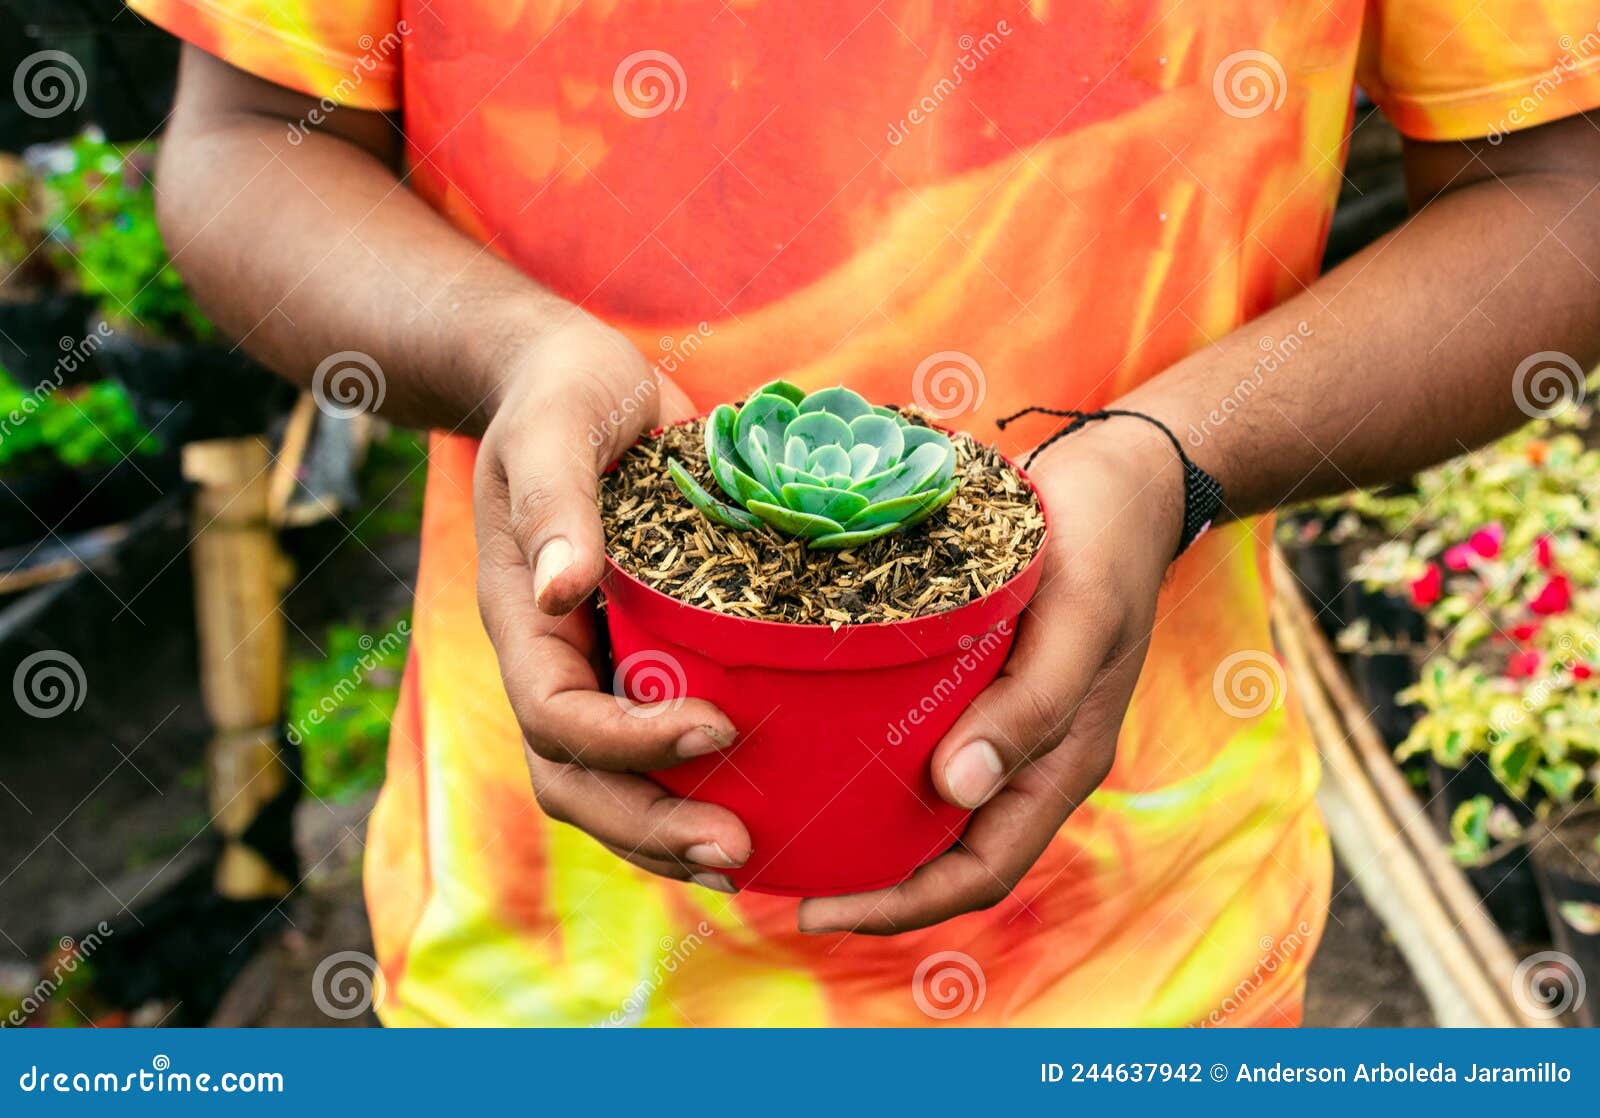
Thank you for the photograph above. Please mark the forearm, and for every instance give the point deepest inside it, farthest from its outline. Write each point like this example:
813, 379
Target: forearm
310, 249
1403, 356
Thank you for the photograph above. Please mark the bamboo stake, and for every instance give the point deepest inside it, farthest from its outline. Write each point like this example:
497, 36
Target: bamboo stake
238, 574
1382, 862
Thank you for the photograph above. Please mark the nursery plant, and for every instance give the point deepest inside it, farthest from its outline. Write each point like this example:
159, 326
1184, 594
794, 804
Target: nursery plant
826, 466
103, 234
790, 591
77, 428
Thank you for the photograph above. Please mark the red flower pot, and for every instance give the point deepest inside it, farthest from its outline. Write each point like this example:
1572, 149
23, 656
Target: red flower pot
830, 772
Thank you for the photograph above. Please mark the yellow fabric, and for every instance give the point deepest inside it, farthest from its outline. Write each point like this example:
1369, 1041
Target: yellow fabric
968, 204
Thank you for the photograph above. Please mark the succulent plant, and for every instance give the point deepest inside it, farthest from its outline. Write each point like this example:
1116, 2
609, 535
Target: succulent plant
827, 467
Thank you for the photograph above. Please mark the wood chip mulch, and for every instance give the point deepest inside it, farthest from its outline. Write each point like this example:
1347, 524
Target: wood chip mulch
984, 536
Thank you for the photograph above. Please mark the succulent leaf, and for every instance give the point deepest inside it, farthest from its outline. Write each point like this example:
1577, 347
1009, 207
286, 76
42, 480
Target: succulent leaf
713, 509
842, 402
828, 467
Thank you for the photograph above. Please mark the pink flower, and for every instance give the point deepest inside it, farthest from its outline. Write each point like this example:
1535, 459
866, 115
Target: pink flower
1553, 597
1486, 541
1544, 553
1426, 590
1522, 665
1460, 557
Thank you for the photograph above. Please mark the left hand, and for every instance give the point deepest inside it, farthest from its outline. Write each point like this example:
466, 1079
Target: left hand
1043, 735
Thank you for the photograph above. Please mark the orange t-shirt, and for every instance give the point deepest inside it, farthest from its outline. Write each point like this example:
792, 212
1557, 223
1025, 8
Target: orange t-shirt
969, 204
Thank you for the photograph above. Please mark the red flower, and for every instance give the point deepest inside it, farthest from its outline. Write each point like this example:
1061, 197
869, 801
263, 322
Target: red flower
1544, 553
1582, 671
1426, 590
1523, 665
1553, 597
1486, 541
1460, 557
1525, 631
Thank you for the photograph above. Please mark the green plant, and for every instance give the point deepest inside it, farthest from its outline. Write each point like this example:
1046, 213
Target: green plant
102, 226
341, 704
81, 427
827, 467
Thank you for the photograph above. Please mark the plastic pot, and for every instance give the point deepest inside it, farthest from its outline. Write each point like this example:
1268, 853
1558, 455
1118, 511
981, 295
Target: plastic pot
1508, 887
60, 499
1377, 678
187, 392
1559, 888
1319, 569
38, 333
1387, 615
837, 727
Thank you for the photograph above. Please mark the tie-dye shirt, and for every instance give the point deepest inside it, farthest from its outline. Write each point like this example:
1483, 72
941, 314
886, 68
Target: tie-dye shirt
969, 204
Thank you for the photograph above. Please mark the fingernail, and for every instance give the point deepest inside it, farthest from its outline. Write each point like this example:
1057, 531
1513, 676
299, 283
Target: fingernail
702, 740
554, 558
709, 854
974, 774
716, 881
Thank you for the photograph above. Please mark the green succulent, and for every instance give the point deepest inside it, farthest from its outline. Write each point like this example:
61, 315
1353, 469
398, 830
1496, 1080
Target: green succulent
827, 467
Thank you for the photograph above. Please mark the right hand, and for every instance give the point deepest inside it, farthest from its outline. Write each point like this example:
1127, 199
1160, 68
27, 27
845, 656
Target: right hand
572, 404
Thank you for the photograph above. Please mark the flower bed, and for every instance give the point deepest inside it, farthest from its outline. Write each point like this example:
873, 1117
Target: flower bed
1466, 610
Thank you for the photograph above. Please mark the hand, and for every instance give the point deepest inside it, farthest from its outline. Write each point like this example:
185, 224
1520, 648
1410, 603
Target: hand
1042, 737
570, 405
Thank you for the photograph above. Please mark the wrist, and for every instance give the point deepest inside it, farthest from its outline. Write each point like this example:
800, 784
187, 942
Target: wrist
1134, 461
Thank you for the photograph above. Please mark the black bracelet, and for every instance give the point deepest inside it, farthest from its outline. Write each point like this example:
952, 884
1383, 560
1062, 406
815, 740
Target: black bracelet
1202, 493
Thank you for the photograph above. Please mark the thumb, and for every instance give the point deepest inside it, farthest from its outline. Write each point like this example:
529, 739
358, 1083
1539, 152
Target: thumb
1025, 713
553, 491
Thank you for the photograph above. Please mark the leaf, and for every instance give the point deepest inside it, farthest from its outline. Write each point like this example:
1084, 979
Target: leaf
714, 510
747, 488
1512, 762
721, 450
788, 475
802, 524
781, 388
862, 459
769, 414
1469, 829
884, 435
1560, 781
838, 505
1582, 916
911, 475
826, 461
761, 467
795, 453
842, 402
819, 429
933, 506
838, 541
896, 510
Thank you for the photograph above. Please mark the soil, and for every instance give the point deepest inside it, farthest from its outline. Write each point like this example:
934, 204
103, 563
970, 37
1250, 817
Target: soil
983, 537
